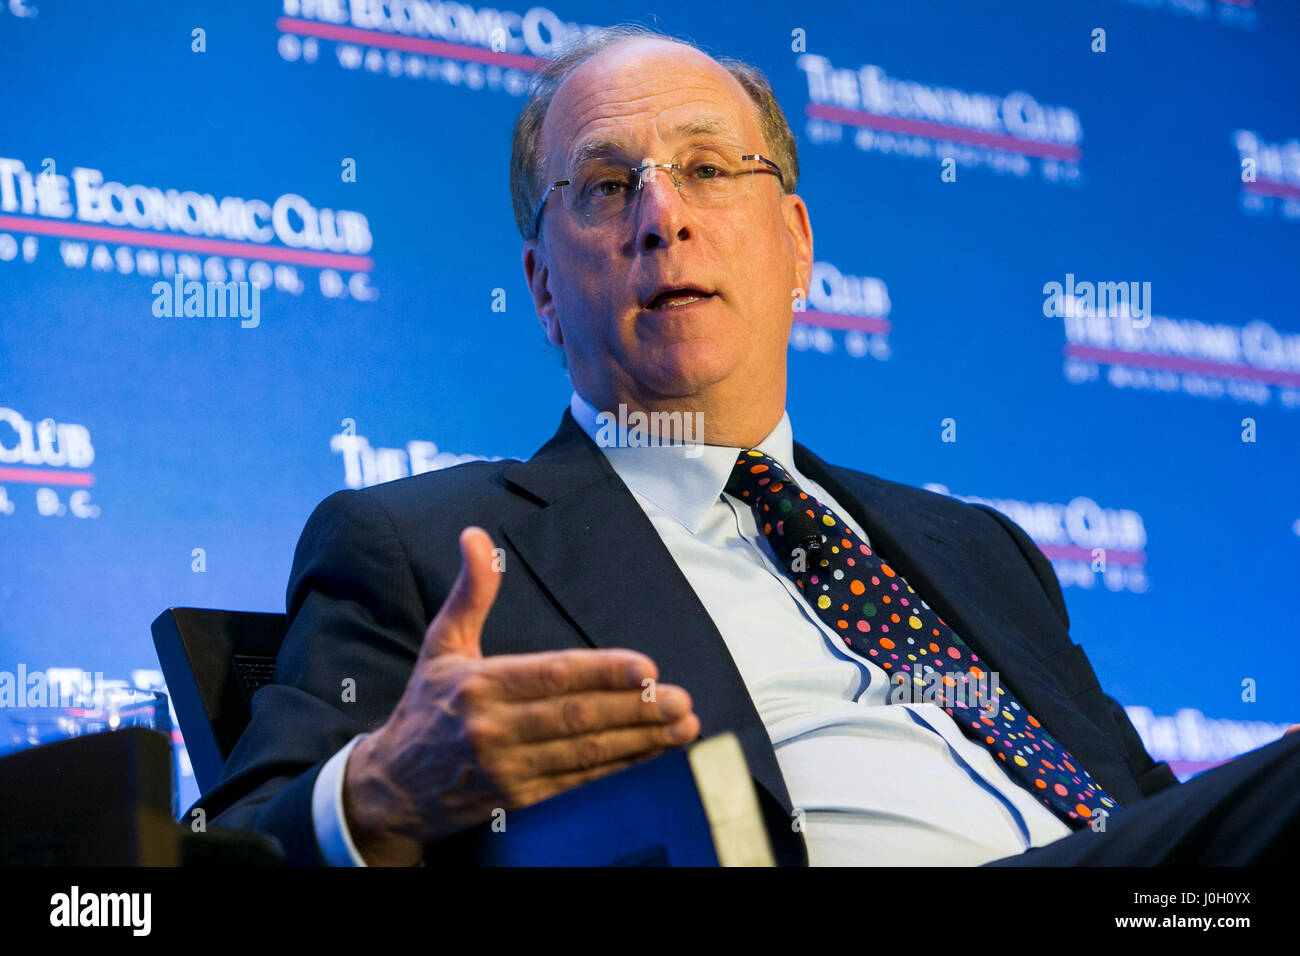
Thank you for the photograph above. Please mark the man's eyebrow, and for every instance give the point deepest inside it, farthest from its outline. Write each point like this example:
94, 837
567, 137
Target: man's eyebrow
604, 147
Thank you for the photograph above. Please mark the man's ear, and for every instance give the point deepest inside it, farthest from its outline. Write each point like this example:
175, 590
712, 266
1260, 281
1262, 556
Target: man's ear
799, 226
536, 273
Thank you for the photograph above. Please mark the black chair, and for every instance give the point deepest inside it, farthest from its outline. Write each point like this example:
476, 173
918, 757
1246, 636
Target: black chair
214, 661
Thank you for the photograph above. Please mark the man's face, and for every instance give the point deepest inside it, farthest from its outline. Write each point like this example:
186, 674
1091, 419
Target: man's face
590, 283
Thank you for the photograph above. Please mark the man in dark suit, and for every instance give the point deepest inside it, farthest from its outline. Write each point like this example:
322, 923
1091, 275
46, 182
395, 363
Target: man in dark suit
560, 585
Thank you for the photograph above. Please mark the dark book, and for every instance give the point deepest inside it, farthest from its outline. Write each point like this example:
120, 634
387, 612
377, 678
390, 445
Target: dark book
693, 806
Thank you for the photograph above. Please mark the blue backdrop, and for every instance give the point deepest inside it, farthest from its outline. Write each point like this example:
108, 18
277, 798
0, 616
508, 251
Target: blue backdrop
957, 159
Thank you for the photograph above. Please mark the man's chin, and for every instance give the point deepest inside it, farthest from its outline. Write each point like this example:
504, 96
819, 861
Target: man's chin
688, 368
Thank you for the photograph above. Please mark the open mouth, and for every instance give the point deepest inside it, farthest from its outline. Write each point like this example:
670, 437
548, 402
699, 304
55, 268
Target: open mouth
675, 298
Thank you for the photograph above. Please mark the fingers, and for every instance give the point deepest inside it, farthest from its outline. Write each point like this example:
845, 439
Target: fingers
557, 673
458, 626
590, 751
576, 714
550, 786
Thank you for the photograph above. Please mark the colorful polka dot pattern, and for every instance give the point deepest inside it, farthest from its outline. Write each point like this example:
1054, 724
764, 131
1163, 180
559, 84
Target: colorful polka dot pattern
880, 617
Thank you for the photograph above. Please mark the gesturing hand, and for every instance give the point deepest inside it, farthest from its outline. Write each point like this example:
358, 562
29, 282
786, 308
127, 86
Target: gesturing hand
471, 734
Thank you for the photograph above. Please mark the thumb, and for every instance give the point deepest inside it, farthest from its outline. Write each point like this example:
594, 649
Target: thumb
458, 625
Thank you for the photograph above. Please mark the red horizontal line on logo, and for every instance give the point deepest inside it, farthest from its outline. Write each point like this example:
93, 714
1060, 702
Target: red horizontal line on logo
835, 320
220, 247
43, 476
1271, 187
930, 130
391, 41
1177, 363
1073, 552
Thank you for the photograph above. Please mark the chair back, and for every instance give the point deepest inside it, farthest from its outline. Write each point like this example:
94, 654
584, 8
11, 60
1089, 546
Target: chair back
213, 662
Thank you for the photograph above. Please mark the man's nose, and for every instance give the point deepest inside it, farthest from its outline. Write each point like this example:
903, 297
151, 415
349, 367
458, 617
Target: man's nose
660, 209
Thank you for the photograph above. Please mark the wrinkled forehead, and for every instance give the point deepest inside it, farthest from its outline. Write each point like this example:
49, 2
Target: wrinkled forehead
645, 95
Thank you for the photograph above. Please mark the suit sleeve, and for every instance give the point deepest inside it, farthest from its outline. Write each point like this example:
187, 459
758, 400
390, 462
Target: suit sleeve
1151, 776
356, 622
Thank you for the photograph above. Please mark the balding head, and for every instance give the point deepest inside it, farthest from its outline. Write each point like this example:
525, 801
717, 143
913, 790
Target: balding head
528, 156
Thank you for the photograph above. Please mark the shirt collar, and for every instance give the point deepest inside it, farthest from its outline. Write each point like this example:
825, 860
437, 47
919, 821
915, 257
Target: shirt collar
683, 480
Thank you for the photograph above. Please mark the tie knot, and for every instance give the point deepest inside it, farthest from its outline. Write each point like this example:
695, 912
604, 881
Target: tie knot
756, 475
787, 516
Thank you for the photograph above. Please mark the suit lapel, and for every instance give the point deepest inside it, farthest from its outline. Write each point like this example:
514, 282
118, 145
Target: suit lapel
919, 544
596, 553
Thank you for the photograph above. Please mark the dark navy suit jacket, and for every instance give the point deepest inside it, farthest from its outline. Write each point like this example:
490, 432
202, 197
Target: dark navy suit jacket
584, 567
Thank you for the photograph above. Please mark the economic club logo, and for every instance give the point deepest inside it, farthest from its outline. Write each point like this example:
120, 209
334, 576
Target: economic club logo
1005, 133
149, 230
450, 43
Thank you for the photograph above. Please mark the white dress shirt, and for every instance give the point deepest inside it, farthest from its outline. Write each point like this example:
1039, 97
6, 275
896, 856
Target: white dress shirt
872, 783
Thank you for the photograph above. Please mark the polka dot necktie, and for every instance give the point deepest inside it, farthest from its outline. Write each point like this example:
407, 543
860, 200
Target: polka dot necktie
879, 617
